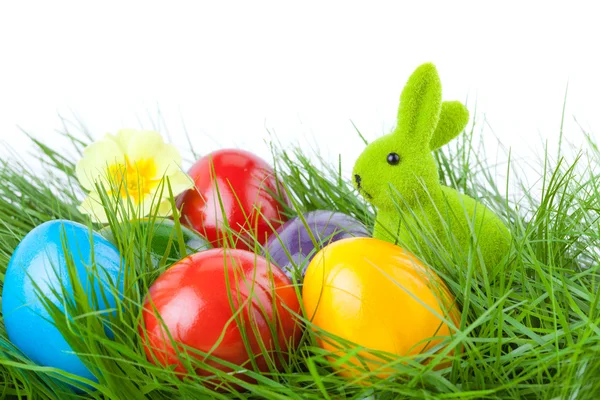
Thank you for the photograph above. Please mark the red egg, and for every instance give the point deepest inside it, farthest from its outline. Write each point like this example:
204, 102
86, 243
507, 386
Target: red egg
234, 188
197, 298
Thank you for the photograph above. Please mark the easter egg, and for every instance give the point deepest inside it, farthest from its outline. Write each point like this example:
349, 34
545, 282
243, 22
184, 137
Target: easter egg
40, 259
235, 199
194, 302
297, 241
379, 296
164, 239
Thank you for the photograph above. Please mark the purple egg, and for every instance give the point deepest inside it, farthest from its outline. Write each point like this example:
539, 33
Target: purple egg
292, 246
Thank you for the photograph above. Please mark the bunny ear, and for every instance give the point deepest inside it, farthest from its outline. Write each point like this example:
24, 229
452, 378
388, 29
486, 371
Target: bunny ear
453, 119
420, 106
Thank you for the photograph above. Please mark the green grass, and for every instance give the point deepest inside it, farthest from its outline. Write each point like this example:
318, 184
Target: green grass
533, 332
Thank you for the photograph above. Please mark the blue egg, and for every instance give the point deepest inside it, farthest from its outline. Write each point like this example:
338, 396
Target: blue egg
41, 258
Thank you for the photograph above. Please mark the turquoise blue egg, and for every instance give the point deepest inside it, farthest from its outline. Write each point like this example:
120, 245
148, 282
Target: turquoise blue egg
41, 258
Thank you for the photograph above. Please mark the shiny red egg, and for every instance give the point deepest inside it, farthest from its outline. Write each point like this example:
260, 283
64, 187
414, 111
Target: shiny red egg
210, 301
235, 199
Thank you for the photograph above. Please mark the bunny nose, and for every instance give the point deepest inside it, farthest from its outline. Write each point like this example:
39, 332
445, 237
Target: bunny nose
357, 179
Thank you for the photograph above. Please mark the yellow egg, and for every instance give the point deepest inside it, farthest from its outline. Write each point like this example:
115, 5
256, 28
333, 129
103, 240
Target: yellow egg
379, 296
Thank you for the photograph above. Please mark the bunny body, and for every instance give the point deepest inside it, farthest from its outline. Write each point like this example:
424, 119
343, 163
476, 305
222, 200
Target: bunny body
452, 221
398, 175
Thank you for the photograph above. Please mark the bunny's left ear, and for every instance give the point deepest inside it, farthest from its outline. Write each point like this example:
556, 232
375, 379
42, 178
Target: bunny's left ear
453, 119
420, 106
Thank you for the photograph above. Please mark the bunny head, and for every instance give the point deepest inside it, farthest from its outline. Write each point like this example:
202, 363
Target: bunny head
404, 159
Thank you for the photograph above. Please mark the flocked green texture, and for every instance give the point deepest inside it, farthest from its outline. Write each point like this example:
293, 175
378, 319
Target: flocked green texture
453, 119
413, 208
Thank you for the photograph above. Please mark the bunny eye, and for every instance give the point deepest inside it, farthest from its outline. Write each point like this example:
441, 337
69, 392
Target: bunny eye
393, 158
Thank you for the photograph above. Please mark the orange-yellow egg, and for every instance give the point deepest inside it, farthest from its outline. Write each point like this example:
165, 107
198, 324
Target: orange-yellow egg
379, 296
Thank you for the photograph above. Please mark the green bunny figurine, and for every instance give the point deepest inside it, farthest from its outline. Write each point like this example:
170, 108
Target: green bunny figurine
397, 173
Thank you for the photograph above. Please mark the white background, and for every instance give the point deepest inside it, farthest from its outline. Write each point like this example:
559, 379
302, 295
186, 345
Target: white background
232, 71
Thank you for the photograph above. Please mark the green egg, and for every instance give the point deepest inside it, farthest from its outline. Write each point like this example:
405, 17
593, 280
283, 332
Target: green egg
164, 239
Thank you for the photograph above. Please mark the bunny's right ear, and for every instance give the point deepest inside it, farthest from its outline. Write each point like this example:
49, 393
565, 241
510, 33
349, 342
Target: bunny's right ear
420, 106
453, 119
